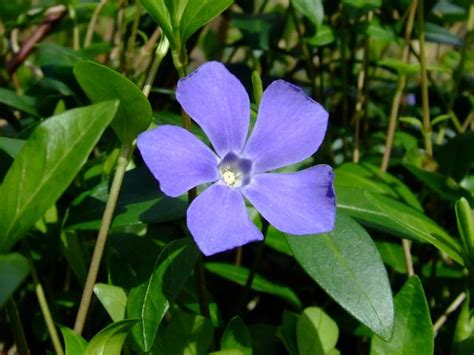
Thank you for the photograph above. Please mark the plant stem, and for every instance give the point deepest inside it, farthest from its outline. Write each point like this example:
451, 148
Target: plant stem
17, 328
253, 271
123, 161
400, 87
424, 82
92, 23
452, 307
361, 95
160, 53
75, 29
48, 318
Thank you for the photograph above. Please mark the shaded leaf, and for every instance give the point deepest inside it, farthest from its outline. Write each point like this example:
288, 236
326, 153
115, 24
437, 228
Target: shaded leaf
46, 165
25, 104
11, 146
14, 268
316, 332
151, 300
347, 265
237, 336
312, 9
239, 274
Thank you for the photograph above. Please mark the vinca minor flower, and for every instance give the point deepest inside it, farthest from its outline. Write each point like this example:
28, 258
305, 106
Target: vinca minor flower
290, 127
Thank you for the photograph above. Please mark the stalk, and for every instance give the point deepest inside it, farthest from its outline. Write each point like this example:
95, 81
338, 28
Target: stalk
424, 82
17, 328
123, 161
93, 22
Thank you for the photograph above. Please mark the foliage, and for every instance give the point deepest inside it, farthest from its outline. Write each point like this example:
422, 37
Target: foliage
80, 80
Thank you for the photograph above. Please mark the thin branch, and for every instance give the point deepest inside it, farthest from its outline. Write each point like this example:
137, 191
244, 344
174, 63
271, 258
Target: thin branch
452, 307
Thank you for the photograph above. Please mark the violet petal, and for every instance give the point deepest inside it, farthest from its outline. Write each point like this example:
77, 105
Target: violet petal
290, 127
297, 203
218, 102
218, 220
177, 159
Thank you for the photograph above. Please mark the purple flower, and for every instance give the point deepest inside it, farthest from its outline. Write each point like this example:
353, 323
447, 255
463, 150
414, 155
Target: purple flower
290, 127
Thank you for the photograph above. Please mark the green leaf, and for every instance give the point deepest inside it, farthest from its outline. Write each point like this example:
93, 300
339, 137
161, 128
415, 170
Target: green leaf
312, 9
140, 201
399, 66
324, 35
444, 186
392, 254
186, 334
151, 300
200, 12
109, 341
439, 34
363, 4
413, 330
14, 268
47, 164
396, 218
452, 156
11, 146
74, 343
237, 336
25, 104
113, 298
239, 274
316, 332
338, 261
159, 12
369, 177
74, 253
101, 83
287, 332
465, 223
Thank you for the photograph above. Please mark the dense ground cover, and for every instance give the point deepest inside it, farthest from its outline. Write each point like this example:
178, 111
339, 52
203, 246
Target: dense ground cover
135, 192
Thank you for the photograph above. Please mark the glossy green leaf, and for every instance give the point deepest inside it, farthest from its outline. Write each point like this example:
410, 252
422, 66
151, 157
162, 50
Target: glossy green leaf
396, 218
74, 343
151, 300
101, 83
46, 165
369, 177
140, 201
113, 298
11, 146
237, 336
312, 9
316, 332
338, 261
239, 274
463, 339
413, 330
324, 35
200, 12
185, 334
25, 104
14, 268
109, 341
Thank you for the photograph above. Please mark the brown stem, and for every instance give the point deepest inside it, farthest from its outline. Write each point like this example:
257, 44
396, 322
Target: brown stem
53, 16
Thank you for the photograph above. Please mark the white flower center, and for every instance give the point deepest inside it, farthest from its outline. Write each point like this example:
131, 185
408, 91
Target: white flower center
235, 171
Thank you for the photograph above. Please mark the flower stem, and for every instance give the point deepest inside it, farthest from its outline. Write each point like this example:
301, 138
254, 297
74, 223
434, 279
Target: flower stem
253, 271
160, 53
400, 87
48, 318
123, 161
17, 328
424, 82
92, 23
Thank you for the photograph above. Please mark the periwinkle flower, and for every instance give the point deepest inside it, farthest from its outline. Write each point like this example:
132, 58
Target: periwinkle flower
290, 127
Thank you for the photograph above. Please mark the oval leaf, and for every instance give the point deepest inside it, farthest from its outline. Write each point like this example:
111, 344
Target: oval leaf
74, 343
109, 341
14, 268
316, 332
113, 298
151, 300
338, 261
101, 83
237, 337
46, 165
413, 331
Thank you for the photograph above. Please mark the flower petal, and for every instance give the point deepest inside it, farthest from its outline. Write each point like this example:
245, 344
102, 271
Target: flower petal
218, 102
295, 203
218, 220
289, 128
177, 159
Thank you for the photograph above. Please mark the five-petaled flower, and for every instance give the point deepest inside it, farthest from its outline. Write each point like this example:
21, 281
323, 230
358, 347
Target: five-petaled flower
290, 127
